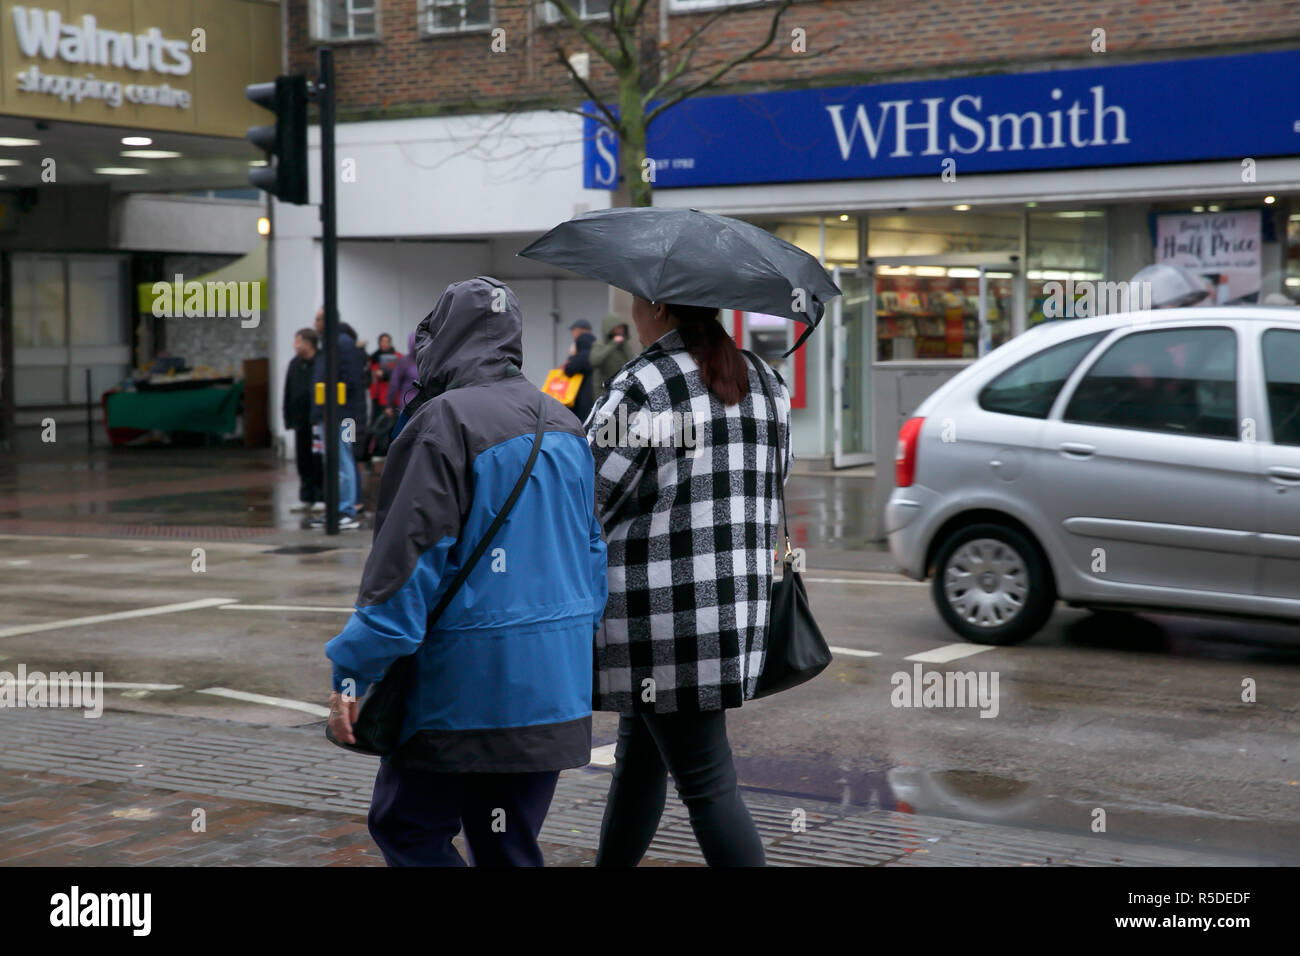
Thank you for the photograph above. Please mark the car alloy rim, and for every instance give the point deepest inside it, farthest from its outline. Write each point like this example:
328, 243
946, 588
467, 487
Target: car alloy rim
985, 582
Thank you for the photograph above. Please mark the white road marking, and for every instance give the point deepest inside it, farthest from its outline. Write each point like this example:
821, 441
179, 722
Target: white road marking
77, 557
284, 607
949, 652
115, 616
314, 709
854, 652
603, 756
17, 562
882, 582
76, 681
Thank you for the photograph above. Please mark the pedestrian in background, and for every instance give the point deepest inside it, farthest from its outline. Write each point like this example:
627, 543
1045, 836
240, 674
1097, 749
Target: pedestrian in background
611, 353
579, 363
404, 374
382, 417
298, 400
361, 424
578, 328
501, 692
353, 408
691, 526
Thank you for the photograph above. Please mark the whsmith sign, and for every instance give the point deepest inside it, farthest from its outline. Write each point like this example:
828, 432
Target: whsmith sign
1228, 107
139, 63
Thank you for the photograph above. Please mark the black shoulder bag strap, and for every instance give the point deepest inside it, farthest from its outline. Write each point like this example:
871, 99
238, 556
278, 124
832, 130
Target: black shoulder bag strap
380, 721
758, 363
493, 528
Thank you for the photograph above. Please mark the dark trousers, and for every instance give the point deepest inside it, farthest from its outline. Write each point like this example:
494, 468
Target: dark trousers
415, 814
693, 748
311, 481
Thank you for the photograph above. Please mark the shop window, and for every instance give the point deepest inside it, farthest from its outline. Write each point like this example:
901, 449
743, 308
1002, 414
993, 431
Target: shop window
1282, 373
1030, 387
943, 233
840, 234
933, 312
455, 16
1181, 381
345, 19
39, 303
1066, 246
549, 13
69, 318
1291, 280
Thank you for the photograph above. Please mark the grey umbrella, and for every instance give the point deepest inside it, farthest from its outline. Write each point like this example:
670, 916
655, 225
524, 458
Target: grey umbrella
1172, 286
688, 257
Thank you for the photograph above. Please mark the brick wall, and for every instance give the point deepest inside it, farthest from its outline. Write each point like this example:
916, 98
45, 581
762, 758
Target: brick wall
406, 73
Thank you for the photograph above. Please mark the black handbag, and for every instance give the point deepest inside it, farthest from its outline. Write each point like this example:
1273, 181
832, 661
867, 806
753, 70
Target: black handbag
378, 729
796, 650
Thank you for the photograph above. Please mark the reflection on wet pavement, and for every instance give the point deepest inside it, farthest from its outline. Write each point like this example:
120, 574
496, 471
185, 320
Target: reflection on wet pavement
830, 517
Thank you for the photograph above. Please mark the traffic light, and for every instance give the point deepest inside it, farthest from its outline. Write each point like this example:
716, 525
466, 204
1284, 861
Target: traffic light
285, 143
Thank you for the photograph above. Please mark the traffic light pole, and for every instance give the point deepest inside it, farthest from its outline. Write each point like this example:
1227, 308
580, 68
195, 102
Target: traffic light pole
329, 249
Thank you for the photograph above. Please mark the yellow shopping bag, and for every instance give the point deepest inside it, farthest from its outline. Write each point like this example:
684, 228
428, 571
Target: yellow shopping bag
563, 388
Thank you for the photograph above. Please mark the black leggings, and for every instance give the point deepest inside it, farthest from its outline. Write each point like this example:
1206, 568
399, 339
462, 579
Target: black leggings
693, 747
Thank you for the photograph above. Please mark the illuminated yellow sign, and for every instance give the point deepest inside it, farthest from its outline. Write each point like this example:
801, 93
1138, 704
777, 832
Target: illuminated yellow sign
147, 64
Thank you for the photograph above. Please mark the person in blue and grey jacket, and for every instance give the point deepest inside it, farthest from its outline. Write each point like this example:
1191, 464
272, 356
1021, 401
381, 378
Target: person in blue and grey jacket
501, 700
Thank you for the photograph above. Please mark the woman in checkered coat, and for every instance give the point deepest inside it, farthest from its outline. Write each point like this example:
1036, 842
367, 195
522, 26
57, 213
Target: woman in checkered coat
689, 456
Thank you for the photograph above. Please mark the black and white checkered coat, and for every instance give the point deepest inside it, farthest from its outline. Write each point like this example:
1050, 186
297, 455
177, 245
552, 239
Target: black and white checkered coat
690, 533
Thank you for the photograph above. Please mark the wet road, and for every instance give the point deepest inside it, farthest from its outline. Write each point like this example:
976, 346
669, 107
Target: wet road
1139, 717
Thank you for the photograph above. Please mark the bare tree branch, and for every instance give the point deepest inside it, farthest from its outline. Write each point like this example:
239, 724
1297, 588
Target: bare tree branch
687, 47
610, 119
676, 97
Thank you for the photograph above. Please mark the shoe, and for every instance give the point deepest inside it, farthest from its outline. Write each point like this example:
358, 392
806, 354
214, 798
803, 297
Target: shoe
318, 506
359, 508
345, 523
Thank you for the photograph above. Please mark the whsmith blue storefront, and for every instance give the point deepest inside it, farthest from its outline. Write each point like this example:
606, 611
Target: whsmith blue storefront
945, 207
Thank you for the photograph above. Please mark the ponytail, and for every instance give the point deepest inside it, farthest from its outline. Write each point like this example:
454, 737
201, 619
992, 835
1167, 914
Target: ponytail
723, 370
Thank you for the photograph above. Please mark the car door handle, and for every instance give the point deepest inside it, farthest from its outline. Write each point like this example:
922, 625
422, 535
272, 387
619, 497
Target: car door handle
1283, 475
1077, 449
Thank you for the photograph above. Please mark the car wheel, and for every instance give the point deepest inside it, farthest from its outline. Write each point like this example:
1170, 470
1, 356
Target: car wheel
992, 584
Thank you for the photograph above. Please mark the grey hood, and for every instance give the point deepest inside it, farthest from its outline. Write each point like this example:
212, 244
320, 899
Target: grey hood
473, 335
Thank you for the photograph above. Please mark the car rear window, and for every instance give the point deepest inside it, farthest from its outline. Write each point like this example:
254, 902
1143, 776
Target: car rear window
1030, 387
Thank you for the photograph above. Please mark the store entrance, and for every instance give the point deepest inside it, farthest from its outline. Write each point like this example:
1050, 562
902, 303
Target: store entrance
951, 307
851, 369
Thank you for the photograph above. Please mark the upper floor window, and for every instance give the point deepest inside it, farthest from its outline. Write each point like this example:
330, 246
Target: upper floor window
691, 6
586, 9
455, 16
344, 19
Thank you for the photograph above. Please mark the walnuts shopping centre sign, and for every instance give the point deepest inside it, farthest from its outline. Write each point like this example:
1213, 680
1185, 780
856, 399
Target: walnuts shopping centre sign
178, 65
1169, 111
45, 34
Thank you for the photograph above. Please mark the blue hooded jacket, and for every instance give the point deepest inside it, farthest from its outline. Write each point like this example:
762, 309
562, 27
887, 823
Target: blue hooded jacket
503, 680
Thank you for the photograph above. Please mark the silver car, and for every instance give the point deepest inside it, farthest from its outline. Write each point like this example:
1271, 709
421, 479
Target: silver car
1145, 460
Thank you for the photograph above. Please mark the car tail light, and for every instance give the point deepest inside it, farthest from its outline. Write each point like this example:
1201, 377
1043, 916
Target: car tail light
905, 454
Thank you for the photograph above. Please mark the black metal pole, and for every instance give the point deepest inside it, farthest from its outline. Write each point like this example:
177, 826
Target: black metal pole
90, 424
329, 249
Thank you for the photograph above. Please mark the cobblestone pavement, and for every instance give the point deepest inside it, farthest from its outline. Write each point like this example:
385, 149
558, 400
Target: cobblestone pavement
124, 790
